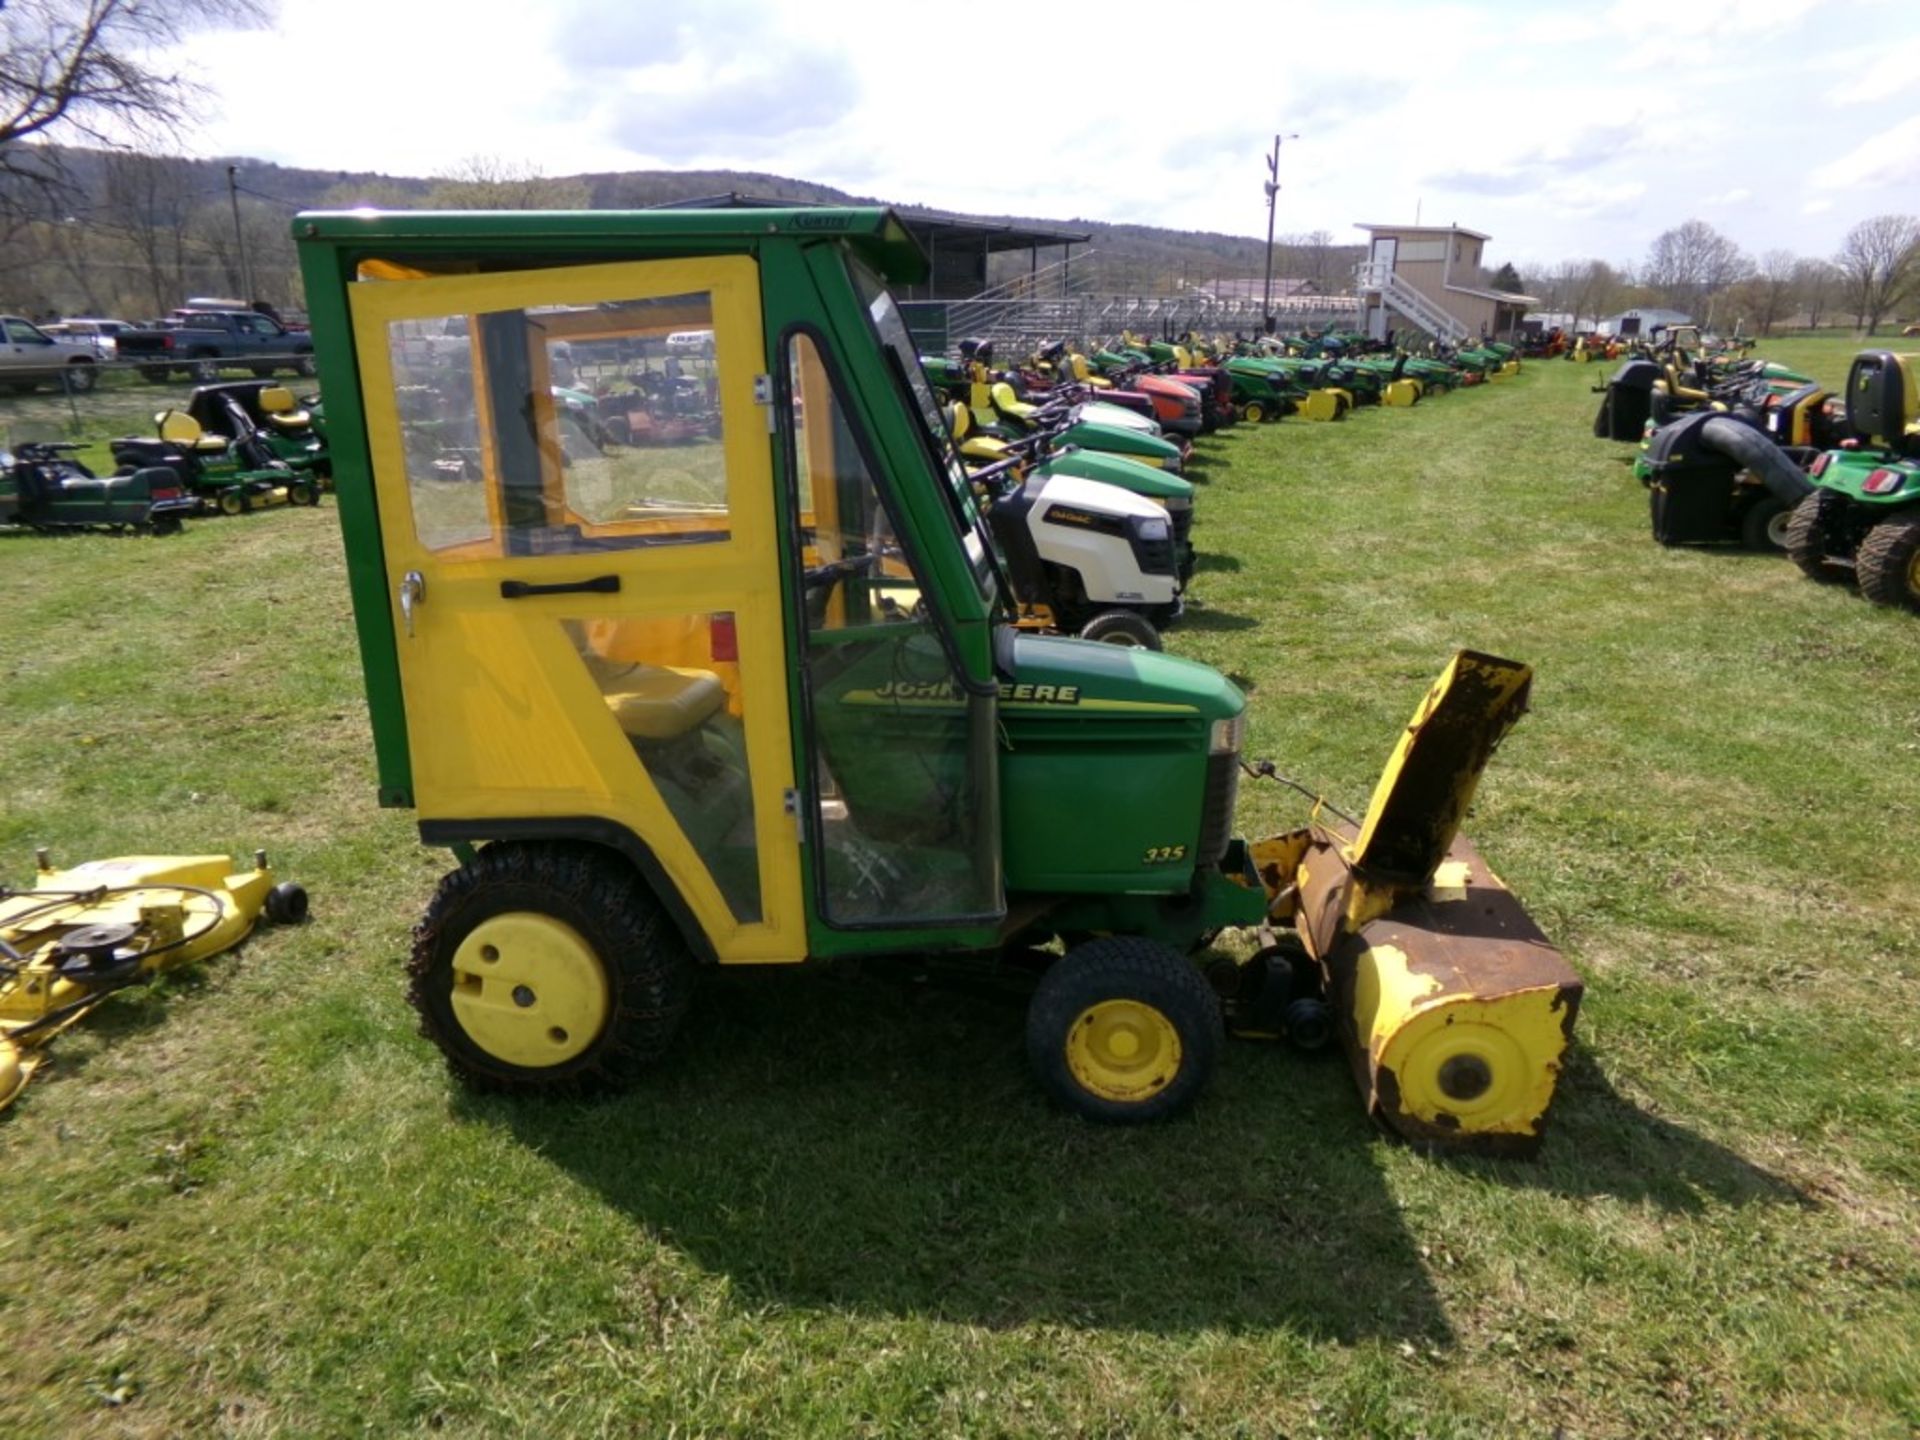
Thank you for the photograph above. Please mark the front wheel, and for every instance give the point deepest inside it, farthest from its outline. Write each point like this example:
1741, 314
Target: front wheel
302, 492
1764, 524
1253, 412
1122, 627
1123, 1030
232, 502
546, 966
1807, 529
1889, 563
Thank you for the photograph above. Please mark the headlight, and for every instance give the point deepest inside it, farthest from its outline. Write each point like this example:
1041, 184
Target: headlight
1227, 734
1152, 529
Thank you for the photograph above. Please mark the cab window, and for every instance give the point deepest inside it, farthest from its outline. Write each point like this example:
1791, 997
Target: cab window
902, 781
558, 430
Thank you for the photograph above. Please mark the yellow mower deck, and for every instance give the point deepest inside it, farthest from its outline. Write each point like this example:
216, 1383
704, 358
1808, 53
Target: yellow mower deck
82, 933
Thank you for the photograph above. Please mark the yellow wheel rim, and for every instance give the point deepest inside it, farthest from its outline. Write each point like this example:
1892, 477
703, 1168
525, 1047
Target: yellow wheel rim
1472, 1071
1123, 1050
1913, 574
527, 989
1255, 413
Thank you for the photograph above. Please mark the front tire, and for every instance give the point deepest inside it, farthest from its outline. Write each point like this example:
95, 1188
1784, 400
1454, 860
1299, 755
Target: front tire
1807, 531
1123, 1031
547, 967
1888, 564
232, 502
1122, 627
1764, 524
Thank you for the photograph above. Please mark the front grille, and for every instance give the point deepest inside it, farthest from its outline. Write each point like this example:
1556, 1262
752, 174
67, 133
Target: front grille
1216, 809
1154, 557
1182, 524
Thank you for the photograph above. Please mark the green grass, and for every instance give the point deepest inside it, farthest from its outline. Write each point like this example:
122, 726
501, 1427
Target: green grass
252, 1203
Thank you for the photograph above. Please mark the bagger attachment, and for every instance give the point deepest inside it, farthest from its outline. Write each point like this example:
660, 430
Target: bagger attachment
1454, 1007
79, 935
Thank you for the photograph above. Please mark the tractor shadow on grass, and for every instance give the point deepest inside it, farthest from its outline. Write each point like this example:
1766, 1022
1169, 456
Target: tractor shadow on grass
1600, 1143
845, 1142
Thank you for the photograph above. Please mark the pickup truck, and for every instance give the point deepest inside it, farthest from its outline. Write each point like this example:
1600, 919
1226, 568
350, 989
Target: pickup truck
200, 342
30, 357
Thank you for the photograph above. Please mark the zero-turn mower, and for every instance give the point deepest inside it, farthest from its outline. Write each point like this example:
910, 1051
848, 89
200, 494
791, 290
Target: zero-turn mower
80, 934
770, 705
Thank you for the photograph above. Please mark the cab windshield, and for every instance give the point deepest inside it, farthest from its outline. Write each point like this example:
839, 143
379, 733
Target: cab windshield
891, 331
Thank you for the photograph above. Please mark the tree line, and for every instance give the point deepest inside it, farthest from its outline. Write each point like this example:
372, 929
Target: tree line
1872, 278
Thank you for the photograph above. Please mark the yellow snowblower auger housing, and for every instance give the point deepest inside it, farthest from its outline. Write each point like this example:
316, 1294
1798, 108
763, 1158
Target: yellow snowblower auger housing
1454, 1008
80, 934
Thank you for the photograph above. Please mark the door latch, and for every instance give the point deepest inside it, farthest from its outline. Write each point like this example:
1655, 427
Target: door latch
413, 590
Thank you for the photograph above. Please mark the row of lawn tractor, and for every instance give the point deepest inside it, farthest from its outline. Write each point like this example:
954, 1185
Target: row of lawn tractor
234, 448
1747, 451
1078, 458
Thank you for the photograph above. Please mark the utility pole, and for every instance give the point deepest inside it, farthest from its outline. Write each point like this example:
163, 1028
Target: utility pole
240, 237
1273, 191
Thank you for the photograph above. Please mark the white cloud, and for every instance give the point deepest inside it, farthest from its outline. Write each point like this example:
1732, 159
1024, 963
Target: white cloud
1883, 160
1536, 126
1816, 207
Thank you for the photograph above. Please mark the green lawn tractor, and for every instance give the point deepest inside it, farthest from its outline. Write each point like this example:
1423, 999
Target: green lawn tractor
1862, 519
287, 430
1302, 384
761, 701
225, 476
42, 487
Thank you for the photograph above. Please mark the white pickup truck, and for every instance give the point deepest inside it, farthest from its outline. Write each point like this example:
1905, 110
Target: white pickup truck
30, 357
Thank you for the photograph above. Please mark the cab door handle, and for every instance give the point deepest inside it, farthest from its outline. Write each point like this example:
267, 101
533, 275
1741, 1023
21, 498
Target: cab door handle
413, 591
599, 585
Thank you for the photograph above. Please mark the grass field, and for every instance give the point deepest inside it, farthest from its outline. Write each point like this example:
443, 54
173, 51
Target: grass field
251, 1203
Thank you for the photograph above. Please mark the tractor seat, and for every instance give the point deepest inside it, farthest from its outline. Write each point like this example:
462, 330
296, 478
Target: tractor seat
1883, 405
278, 405
1008, 403
657, 702
179, 428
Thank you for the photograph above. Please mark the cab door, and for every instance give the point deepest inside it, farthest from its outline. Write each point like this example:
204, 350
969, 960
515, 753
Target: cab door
585, 585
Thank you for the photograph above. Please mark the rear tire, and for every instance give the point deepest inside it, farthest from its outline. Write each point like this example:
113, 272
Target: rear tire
1122, 627
1807, 537
589, 915
1888, 563
302, 492
81, 377
1124, 1030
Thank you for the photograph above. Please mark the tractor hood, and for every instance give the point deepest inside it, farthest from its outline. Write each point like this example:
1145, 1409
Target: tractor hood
1118, 470
1082, 679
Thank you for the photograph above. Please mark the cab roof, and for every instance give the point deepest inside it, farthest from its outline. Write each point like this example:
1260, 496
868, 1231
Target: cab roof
875, 231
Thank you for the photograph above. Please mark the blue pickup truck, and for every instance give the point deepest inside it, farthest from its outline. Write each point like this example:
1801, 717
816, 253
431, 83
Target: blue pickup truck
203, 342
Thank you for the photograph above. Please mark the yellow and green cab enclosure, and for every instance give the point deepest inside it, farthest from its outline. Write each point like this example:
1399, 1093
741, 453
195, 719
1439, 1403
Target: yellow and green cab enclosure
746, 688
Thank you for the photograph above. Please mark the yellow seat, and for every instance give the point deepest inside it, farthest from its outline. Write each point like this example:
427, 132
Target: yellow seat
179, 428
657, 702
1008, 403
278, 405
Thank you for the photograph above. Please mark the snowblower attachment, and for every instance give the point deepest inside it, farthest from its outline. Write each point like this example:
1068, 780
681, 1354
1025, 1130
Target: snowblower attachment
1454, 1007
80, 934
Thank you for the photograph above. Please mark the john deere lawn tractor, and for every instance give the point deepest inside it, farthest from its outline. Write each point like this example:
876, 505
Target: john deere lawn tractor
759, 700
1862, 518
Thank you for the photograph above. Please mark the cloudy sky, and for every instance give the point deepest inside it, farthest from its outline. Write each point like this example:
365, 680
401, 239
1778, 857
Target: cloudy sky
1561, 129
